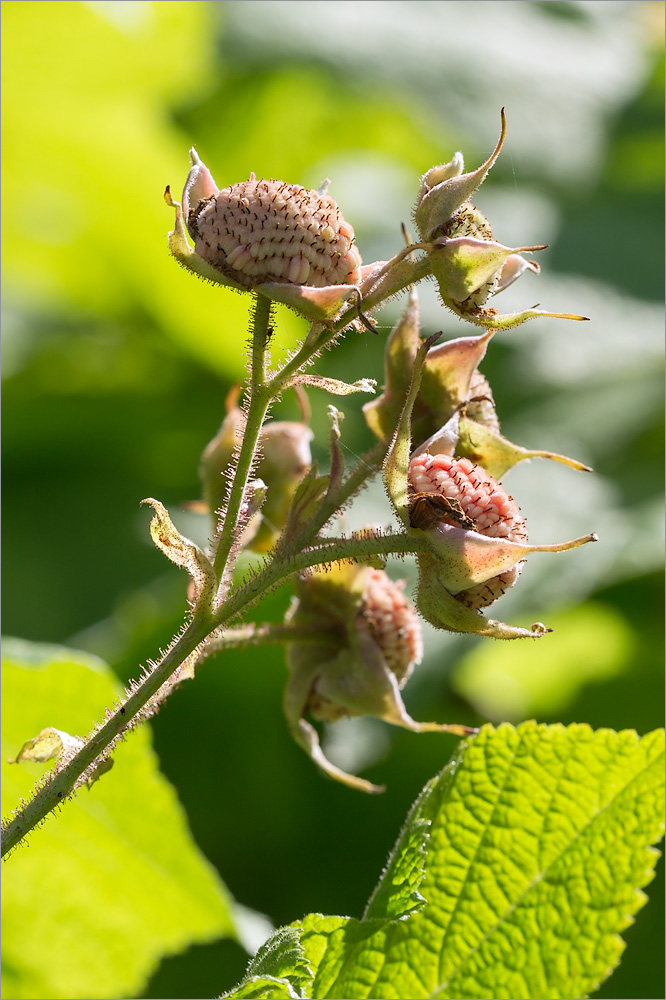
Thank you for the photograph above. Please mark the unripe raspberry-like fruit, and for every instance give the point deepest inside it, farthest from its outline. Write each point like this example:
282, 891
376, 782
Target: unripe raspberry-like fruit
476, 502
392, 622
268, 230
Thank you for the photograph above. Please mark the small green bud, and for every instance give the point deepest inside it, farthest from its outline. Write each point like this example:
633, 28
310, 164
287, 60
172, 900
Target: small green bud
445, 189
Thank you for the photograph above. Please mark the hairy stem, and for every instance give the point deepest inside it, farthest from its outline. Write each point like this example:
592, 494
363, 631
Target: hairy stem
60, 783
258, 405
253, 635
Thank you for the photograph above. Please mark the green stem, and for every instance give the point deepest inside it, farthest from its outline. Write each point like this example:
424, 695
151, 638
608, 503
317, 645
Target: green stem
258, 405
60, 783
252, 635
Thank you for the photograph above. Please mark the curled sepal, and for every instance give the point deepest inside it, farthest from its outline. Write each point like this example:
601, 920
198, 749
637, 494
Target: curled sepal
466, 265
487, 447
316, 304
444, 189
490, 319
382, 413
185, 255
396, 464
307, 737
334, 385
337, 457
513, 267
444, 611
46, 744
182, 552
467, 557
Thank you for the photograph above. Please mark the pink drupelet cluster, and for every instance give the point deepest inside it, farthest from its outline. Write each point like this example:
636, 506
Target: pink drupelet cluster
268, 230
482, 499
393, 624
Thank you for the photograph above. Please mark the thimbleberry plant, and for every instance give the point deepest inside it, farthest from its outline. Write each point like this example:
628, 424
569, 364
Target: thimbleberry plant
352, 636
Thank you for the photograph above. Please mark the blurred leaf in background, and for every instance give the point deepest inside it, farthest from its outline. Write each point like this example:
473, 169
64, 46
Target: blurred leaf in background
117, 363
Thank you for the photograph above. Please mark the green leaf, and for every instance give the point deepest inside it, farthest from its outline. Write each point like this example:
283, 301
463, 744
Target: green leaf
115, 881
397, 892
279, 969
538, 849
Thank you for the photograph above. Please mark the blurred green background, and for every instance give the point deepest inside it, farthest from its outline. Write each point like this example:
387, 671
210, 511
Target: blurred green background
116, 364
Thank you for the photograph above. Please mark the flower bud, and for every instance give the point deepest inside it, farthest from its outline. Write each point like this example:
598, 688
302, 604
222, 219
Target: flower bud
445, 189
367, 640
285, 459
467, 263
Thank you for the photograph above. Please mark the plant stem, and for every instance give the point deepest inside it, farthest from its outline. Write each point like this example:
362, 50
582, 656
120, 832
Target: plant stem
252, 635
63, 780
258, 405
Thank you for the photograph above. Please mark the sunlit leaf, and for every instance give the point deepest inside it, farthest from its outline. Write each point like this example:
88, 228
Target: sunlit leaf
115, 881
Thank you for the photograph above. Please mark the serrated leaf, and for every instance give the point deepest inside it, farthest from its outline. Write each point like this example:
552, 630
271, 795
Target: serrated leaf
263, 988
278, 969
538, 850
113, 883
397, 892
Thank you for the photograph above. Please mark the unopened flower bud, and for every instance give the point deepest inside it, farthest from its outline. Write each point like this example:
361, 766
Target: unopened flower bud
467, 263
285, 459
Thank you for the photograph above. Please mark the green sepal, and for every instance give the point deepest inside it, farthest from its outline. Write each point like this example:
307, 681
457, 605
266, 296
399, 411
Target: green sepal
444, 190
444, 611
445, 382
490, 319
496, 454
462, 265
396, 464
320, 305
305, 503
180, 248
382, 413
